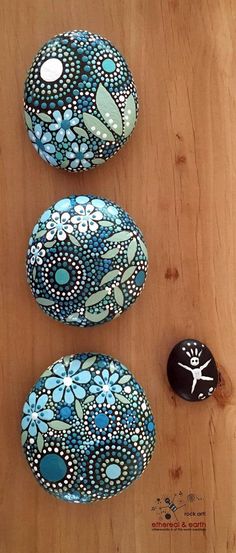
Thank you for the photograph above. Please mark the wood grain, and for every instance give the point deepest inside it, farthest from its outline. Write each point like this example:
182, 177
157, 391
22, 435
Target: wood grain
177, 179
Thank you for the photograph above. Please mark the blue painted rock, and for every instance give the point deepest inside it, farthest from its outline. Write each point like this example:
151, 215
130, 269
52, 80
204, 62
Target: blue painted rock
80, 101
87, 261
87, 428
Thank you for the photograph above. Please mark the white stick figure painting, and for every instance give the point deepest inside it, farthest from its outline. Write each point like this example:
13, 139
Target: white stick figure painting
195, 368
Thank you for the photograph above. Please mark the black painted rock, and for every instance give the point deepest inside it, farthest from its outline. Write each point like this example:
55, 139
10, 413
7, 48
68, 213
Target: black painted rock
192, 370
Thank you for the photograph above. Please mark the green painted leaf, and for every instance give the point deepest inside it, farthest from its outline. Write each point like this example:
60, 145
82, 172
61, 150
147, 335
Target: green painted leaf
64, 163
44, 117
45, 301
40, 442
121, 398
109, 276
66, 360
105, 223
73, 317
121, 236
128, 273
41, 233
34, 273
50, 244
89, 399
132, 249
129, 115
89, 362
74, 240
59, 425
98, 160
80, 132
28, 120
24, 437
97, 317
112, 367
96, 298
110, 254
109, 110
143, 248
46, 373
78, 408
124, 379
119, 296
97, 128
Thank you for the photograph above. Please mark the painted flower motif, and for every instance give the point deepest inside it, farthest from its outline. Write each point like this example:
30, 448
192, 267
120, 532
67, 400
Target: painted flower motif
37, 254
36, 415
41, 143
106, 387
66, 383
59, 226
80, 155
86, 218
63, 125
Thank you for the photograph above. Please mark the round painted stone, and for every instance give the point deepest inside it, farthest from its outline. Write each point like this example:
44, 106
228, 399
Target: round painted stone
192, 370
87, 428
80, 101
87, 260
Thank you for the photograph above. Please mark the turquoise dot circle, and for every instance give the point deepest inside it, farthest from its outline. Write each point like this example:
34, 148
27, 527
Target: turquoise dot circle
63, 205
62, 276
150, 426
140, 278
108, 65
52, 467
45, 216
101, 420
113, 471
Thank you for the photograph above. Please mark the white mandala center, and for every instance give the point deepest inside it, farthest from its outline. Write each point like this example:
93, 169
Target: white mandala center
51, 70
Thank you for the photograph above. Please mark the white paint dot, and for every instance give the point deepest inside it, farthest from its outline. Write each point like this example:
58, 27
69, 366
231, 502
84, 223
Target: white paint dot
211, 390
51, 70
127, 389
67, 381
110, 121
34, 416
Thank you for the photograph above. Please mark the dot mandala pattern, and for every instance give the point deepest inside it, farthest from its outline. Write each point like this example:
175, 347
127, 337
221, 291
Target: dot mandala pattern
87, 261
80, 101
87, 428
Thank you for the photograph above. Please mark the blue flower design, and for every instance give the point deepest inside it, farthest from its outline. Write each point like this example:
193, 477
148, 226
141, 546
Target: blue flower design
80, 155
66, 382
41, 143
36, 414
105, 386
63, 125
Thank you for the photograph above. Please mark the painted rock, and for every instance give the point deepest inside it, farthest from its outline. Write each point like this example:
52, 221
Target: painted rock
87, 261
192, 370
80, 101
87, 428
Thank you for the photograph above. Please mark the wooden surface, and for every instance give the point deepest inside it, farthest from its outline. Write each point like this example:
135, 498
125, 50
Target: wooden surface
177, 178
